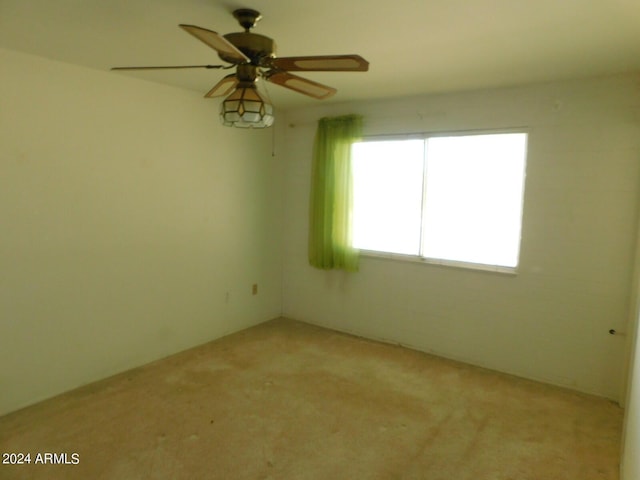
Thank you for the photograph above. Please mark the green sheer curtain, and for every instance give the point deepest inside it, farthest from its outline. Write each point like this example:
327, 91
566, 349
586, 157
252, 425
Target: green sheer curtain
331, 206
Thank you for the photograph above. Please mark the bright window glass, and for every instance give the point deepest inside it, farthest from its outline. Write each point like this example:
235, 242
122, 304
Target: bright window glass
455, 198
388, 180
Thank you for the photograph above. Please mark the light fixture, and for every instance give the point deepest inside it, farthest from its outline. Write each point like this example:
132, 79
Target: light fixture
246, 108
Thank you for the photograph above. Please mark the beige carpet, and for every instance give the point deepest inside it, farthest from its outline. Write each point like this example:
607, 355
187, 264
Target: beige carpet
286, 400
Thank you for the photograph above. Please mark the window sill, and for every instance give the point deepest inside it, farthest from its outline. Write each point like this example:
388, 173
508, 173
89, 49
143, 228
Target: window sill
443, 263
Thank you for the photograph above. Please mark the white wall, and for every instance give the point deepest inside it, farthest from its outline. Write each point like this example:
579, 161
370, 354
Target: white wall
630, 467
549, 322
630, 464
127, 214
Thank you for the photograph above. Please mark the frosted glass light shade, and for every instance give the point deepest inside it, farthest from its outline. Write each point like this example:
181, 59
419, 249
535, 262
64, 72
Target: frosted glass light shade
246, 108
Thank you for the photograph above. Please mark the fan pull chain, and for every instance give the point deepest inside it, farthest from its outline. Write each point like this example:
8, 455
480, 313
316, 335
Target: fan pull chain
273, 130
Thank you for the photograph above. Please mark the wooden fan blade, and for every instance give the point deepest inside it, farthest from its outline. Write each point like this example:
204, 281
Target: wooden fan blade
223, 87
301, 85
326, 63
168, 67
217, 42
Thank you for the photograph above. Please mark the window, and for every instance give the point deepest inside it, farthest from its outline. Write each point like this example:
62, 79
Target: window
451, 198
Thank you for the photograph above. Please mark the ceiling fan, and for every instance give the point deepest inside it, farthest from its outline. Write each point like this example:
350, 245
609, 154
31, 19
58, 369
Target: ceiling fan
254, 56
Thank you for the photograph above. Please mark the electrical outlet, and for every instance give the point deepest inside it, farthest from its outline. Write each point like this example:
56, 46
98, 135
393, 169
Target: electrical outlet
254, 289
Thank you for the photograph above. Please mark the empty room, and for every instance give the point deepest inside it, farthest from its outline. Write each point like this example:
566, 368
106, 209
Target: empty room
330, 240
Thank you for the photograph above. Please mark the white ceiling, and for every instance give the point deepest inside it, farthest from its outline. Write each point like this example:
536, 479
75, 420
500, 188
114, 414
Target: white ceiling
413, 46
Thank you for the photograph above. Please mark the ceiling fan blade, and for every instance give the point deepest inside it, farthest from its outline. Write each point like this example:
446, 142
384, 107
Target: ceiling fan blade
168, 67
299, 84
217, 42
326, 63
223, 87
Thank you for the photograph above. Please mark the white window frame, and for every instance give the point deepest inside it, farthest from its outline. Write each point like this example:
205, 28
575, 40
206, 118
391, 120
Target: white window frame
443, 262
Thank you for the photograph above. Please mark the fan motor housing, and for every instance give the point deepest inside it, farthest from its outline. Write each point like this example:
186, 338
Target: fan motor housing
255, 46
